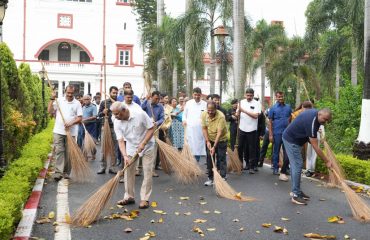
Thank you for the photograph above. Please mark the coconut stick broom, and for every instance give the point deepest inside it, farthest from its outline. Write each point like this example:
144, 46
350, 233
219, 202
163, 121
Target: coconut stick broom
107, 144
223, 189
81, 171
234, 164
185, 171
89, 146
187, 154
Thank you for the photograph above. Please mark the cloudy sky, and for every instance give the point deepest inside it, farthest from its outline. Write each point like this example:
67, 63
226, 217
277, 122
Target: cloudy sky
289, 11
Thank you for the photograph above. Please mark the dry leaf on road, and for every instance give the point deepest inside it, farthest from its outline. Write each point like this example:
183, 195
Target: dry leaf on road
127, 230
266, 225
184, 198
154, 204
198, 220
318, 236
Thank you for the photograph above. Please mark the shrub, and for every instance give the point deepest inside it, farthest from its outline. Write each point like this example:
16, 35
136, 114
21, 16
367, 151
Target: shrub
18, 180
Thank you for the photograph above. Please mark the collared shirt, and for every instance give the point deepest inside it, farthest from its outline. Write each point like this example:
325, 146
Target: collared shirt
89, 111
135, 99
158, 111
133, 106
247, 123
102, 107
279, 114
305, 126
214, 124
133, 131
70, 110
193, 111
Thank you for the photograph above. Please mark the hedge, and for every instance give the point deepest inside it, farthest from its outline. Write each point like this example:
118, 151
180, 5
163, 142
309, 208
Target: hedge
17, 183
356, 170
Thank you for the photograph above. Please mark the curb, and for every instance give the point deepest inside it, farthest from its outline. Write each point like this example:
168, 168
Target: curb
29, 212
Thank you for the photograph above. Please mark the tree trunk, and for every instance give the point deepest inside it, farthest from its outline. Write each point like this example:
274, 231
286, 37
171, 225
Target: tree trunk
212, 68
354, 64
238, 48
160, 15
263, 80
361, 148
174, 80
337, 79
188, 70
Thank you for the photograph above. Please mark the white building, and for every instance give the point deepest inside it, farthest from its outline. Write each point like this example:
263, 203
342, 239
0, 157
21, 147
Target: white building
70, 35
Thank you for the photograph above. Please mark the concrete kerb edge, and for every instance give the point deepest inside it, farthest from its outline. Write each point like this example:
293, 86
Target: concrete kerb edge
25, 226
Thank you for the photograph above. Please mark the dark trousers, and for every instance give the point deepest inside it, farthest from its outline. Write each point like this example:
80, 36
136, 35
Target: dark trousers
265, 145
247, 148
278, 142
233, 134
98, 129
220, 158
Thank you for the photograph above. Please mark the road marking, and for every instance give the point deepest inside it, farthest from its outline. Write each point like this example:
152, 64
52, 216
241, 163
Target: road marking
62, 230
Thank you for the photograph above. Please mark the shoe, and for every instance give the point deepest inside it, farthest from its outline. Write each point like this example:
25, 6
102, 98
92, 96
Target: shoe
275, 172
101, 171
309, 173
155, 174
255, 169
298, 200
209, 182
246, 168
111, 171
251, 171
283, 177
260, 164
138, 173
57, 177
144, 204
304, 196
128, 201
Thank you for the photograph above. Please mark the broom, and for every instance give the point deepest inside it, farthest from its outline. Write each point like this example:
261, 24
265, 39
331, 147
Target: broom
185, 171
360, 210
89, 146
90, 210
107, 144
234, 164
80, 170
223, 189
186, 151
333, 180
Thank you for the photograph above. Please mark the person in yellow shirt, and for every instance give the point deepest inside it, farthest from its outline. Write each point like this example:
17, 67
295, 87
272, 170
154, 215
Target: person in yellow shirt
215, 133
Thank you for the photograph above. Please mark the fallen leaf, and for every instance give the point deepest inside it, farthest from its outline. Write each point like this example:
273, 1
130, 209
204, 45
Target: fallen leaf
119, 206
187, 213
285, 219
179, 203
160, 212
134, 213
111, 208
198, 230
184, 198
202, 203
318, 236
298, 212
278, 229
177, 213
154, 204
322, 199
346, 237
335, 219
285, 231
258, 232
241, 229
43, 220
206, 212
55, 223
201, 198
127, 230
160, 220
67, 217
211, 229
127, 218
51, 215
217, 212
235, 220
152, 221
150, 234
266, 225
198, 220
145, 238
238, 195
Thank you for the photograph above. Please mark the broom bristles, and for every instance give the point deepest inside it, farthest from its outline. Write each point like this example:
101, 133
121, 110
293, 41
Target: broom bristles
333, 180
185, 171
223, 189
90, 210
234, 164
108, 145
89, 146
81, 171
360, 210
164, 164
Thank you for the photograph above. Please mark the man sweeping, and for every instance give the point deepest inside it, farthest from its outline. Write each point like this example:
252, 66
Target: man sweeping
215, 134
136, 128
303, 129
72, 112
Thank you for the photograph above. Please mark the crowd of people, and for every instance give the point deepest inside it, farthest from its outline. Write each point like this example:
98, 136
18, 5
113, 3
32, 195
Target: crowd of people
201, 121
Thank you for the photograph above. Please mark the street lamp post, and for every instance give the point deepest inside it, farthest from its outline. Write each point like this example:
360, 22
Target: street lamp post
3, 163
221, 33
42, 76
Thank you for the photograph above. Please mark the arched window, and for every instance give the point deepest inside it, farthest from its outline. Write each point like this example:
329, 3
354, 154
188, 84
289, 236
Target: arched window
64, 52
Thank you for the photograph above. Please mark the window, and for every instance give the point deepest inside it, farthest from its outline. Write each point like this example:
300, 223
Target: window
84, 57
64, 52
44, 55
65, 21
124, 55
123, 2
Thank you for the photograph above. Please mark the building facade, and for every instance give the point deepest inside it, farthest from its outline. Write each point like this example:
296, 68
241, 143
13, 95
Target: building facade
71, 36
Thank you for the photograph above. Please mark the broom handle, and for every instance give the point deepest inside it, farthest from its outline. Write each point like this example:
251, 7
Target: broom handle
47, 78
107, 95
105, 78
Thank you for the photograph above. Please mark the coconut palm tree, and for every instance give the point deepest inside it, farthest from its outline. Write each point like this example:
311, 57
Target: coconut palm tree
161, 63
362, 145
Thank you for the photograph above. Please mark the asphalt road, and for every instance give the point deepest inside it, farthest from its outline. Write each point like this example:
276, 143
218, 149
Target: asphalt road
228, 219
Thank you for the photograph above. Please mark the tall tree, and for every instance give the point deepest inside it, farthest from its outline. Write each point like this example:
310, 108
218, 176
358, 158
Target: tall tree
239, 47
362, 145
161, 61
188, 68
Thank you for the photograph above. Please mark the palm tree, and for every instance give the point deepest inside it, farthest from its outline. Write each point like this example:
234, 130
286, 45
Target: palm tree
160, 64
238, 47
188, 69
362, 145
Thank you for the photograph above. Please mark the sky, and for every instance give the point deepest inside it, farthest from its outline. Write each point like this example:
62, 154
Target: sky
291, 12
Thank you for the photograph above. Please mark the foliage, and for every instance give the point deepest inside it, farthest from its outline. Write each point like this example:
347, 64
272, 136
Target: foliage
18, 180
343, 130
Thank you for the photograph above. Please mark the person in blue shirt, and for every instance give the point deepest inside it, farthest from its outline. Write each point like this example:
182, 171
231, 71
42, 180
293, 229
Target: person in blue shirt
279, 116
127, 86
302, 130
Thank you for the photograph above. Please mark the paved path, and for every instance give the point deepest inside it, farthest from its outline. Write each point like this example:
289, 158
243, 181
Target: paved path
272, 205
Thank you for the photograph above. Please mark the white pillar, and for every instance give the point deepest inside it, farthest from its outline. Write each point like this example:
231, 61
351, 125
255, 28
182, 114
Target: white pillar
60, 88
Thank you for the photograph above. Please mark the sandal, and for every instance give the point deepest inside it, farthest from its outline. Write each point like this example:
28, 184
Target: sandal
126, 201
144, 204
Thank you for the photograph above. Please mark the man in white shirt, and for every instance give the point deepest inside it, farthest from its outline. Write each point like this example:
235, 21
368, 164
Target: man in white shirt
191, 119
136, 128
249, 110
71, 110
